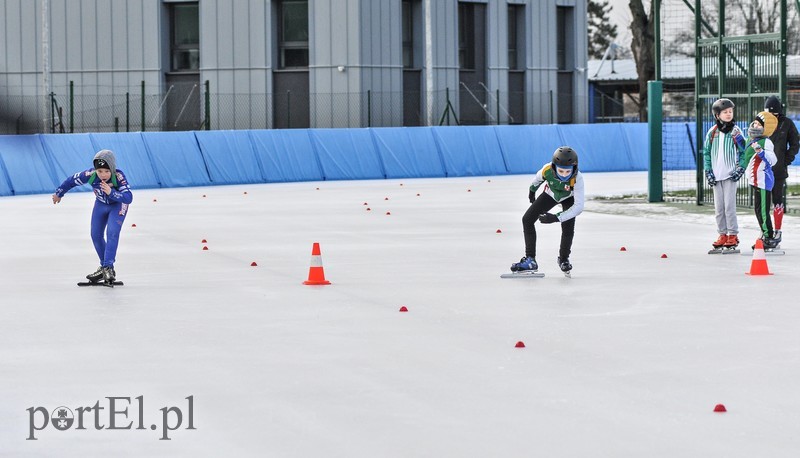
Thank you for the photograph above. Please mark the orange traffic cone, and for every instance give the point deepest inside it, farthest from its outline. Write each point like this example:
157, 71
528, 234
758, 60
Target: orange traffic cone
316, 274
758, 266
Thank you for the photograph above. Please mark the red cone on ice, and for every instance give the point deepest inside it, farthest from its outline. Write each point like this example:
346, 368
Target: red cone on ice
245, 192
133, 225
623, 249
369, 209
720, 408
204, 195
205, 248
499, 231
520, 344
469, 190
417, 194
204, 241
664, 256
316, 274
388, 213
253, 264
385, 198
404, 309
366, 203
154, 200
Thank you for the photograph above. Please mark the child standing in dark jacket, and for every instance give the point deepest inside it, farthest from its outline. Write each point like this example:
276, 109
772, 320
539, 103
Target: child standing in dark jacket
112, 197
787, 143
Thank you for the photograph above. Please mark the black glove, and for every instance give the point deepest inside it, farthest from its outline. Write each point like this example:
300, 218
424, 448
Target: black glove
532, 193
712, 180
737, 173
548, 218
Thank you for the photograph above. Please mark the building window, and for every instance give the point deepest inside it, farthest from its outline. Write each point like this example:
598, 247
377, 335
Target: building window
408, 35
466, 36
563, 30
514, 16
185, 37
293, 34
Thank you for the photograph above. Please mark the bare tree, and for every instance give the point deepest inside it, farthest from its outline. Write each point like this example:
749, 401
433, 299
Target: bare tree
642, 47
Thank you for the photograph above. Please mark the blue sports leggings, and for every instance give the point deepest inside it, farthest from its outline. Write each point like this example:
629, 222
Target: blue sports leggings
108, 218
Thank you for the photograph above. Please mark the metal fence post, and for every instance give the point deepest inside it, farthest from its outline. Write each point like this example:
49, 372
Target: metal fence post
143, 120
52, 112
369, 107
208, 105
116, 123
71, 106
288, 109
127, 112
498, 106
655, 111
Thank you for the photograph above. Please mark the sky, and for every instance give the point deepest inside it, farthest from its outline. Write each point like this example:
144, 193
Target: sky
629, 357
621, 16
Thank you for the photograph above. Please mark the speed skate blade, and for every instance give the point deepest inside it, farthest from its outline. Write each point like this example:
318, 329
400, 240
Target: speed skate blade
725, 251
768, 253
523, 274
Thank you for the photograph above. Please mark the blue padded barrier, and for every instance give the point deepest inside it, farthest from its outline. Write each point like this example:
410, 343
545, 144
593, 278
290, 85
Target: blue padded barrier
5, 180
347, 154
27, 167
38, 163
600, 147
470, 151
132, 157
635, 135
177, 157
69, 155
527, 148
286, 155
230, 157
681, 149
408, 152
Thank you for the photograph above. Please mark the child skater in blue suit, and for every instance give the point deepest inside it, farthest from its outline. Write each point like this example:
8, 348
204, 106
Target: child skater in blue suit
112, 197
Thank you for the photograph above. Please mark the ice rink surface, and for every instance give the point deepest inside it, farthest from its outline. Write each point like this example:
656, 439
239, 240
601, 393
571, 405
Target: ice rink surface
626, 359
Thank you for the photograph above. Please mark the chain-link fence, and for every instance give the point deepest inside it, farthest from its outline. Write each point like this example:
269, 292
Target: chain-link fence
104, 109
681, 179
194, 106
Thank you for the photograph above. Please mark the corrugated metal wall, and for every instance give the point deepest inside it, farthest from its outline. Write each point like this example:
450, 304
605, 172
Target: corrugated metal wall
109, 47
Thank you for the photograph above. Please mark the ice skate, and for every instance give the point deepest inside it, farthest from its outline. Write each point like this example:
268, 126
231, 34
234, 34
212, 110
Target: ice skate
525, 268
770, 243
731, 245
725, 244
720, 242
109, 275
771, 247
96, 276
565, 266
525, 264
777, 236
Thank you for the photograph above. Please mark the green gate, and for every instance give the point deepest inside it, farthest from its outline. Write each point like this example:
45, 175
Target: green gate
745, 69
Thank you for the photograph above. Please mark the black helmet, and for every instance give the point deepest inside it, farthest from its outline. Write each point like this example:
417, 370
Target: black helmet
564, 156
721, 104
773, 105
